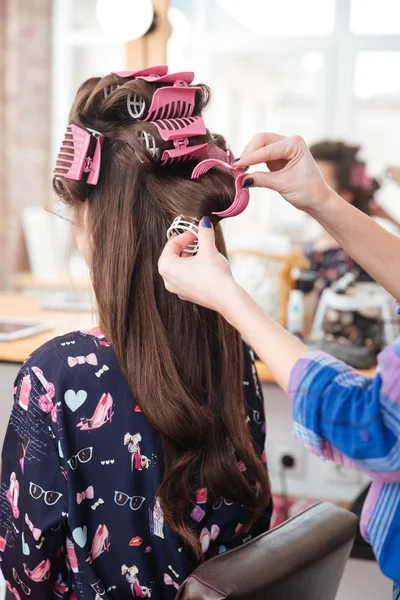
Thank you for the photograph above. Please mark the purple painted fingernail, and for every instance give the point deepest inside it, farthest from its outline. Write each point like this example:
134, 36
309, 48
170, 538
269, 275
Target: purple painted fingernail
206, 222
235, 160
248, 182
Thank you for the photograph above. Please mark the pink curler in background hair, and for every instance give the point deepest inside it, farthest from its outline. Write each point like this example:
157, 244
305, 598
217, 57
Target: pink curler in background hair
242, 195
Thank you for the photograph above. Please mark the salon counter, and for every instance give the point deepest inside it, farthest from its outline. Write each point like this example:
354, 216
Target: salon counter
266, 377
18, 306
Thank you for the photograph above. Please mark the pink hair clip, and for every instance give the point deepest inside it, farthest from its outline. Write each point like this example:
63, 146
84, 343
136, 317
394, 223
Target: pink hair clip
171, 101
179, 131
242, 195
157, 71
73, 159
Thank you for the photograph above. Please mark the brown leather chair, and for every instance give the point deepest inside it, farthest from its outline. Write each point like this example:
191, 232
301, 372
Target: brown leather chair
302, 559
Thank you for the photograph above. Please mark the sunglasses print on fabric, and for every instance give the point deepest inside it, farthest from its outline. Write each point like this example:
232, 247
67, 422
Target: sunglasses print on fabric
257, 417
135, 502
18, 581
218, 503
50, 497
83, 456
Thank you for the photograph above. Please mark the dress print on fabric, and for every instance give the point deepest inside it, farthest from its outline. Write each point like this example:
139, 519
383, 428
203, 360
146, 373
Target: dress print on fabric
79, 513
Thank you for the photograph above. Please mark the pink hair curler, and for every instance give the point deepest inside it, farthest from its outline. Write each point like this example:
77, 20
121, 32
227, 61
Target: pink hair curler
157, 71
242, 195
179, 131
171, 101
174, 101
73, 159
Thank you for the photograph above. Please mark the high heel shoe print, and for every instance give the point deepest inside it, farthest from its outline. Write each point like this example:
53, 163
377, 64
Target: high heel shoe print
40, 572
103, 414
100, 543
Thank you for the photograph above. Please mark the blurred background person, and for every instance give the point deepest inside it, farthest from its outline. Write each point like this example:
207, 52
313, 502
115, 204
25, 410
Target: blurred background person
347, 175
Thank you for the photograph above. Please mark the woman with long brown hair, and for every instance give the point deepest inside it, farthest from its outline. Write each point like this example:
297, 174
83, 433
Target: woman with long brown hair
143, 438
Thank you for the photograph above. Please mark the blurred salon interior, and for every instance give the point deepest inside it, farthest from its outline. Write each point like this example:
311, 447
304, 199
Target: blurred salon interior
327, 70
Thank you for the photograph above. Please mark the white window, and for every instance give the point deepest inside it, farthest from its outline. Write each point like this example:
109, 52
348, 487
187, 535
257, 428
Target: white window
318, 68
80, 51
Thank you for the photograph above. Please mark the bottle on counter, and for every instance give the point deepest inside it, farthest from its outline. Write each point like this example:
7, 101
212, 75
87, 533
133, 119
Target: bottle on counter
301, 304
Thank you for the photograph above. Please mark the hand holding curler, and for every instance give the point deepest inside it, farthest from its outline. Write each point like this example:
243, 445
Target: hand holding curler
292, 170
294, 174
206, 278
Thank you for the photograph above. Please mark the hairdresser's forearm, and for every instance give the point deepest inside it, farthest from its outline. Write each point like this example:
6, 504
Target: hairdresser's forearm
277, 348
371, 246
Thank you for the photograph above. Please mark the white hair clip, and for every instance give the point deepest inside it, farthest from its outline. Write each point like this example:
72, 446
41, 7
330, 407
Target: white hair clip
149, 143
182, 224
109, 89
135, 105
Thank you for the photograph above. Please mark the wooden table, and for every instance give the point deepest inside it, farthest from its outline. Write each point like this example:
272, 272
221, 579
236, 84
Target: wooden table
266, 377
30, 308
25, 281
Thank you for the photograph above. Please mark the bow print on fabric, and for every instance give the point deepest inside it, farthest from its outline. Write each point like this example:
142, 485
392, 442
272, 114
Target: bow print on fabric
87, 494
102, 370
34, 530
90, 359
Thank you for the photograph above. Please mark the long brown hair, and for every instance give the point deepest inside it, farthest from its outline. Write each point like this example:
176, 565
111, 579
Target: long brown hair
183, 363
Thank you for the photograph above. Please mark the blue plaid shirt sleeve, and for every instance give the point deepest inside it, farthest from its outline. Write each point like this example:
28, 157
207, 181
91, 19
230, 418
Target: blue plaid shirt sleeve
344, 416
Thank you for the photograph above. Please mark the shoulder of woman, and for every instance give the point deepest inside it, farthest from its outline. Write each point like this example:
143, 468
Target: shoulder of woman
51, 366
50, 356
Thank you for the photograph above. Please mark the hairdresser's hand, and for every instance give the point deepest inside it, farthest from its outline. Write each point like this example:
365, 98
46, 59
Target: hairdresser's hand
206, 278
292, 170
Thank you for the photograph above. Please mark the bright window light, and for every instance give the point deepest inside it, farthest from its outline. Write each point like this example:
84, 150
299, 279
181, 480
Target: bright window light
370, 17
375, 74
124, 20
283, 18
